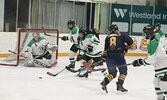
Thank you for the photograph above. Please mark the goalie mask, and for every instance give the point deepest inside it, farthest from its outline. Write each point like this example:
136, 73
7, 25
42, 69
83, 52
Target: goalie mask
71, 24
149, 32
36, 36
113, 28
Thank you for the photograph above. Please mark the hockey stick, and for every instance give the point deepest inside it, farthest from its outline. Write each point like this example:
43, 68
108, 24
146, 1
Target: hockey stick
43, 29
90, 68
34, 60
51, 74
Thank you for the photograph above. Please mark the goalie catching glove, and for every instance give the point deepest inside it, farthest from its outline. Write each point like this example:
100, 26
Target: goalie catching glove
52, 47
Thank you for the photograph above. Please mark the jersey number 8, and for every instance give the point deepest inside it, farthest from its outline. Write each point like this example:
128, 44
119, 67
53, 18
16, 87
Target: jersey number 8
113, 41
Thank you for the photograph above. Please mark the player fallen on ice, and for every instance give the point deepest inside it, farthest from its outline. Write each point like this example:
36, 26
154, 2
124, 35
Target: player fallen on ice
157, 50
73, 37
114, 52
39, 48
89, 49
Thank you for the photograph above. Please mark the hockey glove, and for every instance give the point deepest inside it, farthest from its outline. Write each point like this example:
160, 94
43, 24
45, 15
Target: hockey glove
77, 45
64, 38
90, 48
138, 62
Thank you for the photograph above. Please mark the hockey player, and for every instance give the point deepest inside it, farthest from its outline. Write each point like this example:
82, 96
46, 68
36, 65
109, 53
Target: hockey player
89, 49
157, 50
74, 39
158, 29
114, 53
38, 48
94, 31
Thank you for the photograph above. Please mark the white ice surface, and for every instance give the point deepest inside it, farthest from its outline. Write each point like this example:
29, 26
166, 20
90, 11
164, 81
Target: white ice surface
23, 83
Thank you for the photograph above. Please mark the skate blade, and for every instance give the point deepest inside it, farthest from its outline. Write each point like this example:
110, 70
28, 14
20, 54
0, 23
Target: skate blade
102, 90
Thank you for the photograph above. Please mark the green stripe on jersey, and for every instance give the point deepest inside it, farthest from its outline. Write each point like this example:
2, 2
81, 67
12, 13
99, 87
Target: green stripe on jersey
95, 54
152, 46
96, 43
89, 36
161, 73
74, 30
33, 41
159, 93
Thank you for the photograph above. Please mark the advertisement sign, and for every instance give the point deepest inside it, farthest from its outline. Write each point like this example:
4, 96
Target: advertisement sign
136, 17
120, 16
141, 16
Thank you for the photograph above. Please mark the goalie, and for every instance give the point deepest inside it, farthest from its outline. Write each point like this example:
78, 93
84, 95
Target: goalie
38, 48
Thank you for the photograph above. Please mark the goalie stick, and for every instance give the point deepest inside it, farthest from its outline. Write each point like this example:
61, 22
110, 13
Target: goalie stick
35, 61
43, 29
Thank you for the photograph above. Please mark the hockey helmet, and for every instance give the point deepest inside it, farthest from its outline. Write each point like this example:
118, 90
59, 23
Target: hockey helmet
149, 31
158, 24
83, 32
71, 21
112, 28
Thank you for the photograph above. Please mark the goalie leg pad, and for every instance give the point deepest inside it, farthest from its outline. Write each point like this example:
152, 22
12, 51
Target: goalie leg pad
29, 59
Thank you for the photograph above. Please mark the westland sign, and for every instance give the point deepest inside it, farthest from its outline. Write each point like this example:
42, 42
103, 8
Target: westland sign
138, 18
148, 15
120, 13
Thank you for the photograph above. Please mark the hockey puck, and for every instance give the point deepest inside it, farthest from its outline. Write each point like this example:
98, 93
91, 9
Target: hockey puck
40, 77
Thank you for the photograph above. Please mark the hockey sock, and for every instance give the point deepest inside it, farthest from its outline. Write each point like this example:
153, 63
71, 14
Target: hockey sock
72, 60
157, 87
108, 78
163, 87
121, 78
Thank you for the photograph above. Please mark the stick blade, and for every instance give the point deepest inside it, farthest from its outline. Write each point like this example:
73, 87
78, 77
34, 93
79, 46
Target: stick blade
87, 66
50, 74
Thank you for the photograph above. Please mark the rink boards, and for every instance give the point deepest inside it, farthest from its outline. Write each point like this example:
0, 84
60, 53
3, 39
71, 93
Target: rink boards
9, 39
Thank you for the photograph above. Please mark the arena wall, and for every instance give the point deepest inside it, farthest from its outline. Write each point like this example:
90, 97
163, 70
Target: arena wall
9, 41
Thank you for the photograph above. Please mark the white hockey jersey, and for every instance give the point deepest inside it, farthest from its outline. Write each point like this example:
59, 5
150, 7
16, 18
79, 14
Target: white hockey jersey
91, 40
37, 48
157, 50
74, 34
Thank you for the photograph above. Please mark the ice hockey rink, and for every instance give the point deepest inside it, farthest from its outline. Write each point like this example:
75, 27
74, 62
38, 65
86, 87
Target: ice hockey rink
23, 83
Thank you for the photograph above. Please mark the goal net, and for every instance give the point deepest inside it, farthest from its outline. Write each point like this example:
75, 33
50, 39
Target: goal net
17, 42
